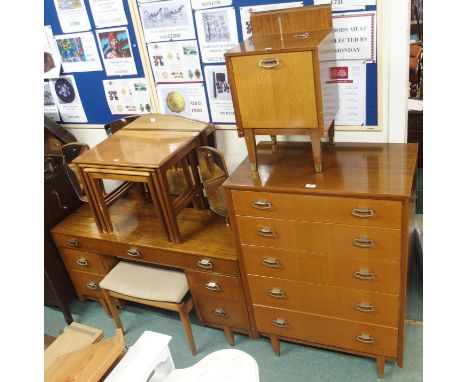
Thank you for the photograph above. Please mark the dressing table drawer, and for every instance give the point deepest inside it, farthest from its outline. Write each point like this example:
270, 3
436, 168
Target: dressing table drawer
84, 261
222, 312
87, 284
214, 285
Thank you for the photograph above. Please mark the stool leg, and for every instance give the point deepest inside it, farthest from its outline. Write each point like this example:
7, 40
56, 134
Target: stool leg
183, 313
113, 309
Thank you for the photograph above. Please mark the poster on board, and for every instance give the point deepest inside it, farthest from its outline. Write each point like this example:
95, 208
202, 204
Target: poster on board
350, 77
72, 15
108, 13
185, 100
167, 20
219, 94
175, 61
67, 99
52, 60
78, 52
116, 51
217, 33
50, 107
127, 96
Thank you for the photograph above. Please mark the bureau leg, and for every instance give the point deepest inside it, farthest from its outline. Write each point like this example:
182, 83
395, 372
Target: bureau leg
251, 148
275, 344
380, 366
331, 134
316, 149
274, 143
229, 335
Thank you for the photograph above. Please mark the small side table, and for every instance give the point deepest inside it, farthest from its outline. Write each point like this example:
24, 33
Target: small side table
144, 156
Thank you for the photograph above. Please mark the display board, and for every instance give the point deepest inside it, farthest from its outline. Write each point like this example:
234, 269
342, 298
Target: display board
182, 43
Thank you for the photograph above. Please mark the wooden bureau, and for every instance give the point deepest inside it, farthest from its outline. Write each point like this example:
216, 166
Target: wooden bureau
207, 255
324, 257
280, 77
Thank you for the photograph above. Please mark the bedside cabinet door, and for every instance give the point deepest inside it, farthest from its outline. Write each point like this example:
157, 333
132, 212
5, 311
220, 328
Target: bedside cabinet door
276, 90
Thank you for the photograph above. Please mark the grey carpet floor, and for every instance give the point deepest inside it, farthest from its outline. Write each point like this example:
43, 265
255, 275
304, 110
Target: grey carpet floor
297, 363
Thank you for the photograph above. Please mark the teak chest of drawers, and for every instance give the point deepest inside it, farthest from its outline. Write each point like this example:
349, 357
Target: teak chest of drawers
207, 255
324, 257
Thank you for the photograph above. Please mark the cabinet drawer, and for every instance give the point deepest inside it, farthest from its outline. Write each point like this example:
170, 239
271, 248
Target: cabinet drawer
350, 304
80, 243
84, 261
320, 237
381, 213
214, 285
87, 284
291, 79
323, 269
327, 331
212, 264
222, 312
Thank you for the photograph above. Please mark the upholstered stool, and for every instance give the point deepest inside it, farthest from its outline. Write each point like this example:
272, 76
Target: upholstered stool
160, 288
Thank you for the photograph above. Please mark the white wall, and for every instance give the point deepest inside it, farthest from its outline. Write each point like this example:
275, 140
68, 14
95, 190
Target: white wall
394, 18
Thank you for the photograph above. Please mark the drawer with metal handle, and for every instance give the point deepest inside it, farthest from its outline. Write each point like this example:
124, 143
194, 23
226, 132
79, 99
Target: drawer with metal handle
344, 303
379, 243
85, 261
328, 209
339, 333
222, 312
214, 285
87, 284
324, 269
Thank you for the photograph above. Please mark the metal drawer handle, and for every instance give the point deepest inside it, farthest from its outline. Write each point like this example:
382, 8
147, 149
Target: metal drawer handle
362, 212
302, 35
365, 338
219, 312
364, 274
82, 261
73, 243
280, 323
364, 307
271, 262
205, 263
133, 252
213, 286
268, 63
363, 242
276, 293
262, 204
266, 231
59, 202
92, 285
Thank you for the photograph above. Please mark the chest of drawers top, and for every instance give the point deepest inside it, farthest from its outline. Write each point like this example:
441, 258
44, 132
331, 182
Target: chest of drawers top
136, 224
370, 170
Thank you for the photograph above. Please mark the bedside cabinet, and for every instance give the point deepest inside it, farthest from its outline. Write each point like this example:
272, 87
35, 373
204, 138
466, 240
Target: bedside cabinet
279, 78
325, 256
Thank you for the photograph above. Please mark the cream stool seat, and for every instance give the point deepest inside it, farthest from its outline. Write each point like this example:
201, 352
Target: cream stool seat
150, 360
160, 288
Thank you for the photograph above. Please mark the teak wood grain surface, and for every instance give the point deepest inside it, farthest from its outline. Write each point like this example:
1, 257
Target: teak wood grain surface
324, 257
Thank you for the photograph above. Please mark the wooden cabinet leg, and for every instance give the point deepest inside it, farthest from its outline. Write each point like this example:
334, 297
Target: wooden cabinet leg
316, 149
331, 134
229, 335
275, 344
251, 148
380, 366
274, 143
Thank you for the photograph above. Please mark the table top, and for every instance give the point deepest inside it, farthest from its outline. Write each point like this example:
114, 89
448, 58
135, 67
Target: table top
273, 43
135, 222
165, 122
138, 148
381, 170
